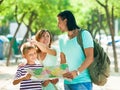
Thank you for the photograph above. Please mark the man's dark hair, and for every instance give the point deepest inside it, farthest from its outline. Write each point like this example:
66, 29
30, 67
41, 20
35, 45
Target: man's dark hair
71, 22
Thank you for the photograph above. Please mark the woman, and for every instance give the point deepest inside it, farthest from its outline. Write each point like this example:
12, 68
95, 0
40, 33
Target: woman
72, 52
47, 55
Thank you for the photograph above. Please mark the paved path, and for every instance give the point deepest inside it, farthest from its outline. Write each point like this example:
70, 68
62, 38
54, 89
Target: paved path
7, 75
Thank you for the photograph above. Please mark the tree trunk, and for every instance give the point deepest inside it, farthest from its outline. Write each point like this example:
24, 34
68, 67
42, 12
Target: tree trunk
111, 28
11, 43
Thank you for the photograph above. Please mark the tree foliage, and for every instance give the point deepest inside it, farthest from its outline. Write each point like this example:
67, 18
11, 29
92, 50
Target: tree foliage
45, 12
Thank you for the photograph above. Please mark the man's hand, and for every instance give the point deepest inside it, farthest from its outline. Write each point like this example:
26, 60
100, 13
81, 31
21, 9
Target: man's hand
70, 75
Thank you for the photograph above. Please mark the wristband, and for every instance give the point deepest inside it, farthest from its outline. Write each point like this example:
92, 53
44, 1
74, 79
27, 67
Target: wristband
78, 72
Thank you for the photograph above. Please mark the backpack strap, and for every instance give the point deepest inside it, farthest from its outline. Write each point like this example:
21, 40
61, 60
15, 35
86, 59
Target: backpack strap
80, 40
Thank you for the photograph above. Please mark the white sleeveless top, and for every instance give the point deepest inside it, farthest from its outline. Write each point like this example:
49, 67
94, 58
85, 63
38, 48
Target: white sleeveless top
49, 60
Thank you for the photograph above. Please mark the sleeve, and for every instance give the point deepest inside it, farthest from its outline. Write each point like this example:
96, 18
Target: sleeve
87, 39
60, 45
18, 73
62, 41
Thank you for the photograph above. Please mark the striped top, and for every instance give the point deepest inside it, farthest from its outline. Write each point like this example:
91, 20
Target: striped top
29, 84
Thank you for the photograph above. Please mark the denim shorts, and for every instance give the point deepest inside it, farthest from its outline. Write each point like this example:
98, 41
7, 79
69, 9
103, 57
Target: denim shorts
78, 86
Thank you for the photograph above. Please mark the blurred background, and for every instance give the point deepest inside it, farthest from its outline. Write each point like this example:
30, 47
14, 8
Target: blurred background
21, 19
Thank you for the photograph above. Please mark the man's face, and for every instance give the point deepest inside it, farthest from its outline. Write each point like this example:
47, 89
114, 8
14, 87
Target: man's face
62, 24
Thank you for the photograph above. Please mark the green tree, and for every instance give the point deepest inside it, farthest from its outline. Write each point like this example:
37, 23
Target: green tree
109, 10
35, 14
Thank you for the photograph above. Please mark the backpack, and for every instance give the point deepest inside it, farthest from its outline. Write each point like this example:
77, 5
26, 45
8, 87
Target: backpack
100, 68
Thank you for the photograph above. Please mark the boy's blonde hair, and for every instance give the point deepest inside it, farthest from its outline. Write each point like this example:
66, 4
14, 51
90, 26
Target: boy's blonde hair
25, 47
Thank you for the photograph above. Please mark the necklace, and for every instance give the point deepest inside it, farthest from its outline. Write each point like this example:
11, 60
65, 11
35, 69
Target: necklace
72, 34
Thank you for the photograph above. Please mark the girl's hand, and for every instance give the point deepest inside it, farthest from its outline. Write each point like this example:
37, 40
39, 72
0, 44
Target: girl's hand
45, 83
32, 41
54, 81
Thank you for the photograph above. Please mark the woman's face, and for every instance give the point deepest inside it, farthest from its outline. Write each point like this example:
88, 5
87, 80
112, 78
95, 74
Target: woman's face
45, 38
62, 24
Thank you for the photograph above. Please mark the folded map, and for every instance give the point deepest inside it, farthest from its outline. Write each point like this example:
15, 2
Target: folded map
49, 72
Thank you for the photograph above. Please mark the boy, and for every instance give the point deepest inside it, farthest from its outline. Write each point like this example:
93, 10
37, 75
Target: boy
22, 77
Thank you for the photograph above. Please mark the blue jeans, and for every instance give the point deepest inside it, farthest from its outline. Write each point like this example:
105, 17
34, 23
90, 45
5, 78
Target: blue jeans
78, 86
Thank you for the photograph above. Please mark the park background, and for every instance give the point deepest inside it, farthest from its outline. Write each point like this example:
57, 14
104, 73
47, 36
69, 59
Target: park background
21, 19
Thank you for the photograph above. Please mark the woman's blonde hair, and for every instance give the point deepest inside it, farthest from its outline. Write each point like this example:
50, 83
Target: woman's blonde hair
40, 33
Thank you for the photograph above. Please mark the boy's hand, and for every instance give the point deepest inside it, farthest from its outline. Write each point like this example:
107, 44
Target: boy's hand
27, 76
54, 81
21, 65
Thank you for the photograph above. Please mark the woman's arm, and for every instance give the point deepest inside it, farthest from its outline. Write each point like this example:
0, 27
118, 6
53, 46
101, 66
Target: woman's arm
62, 58
46, 49
43, 47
